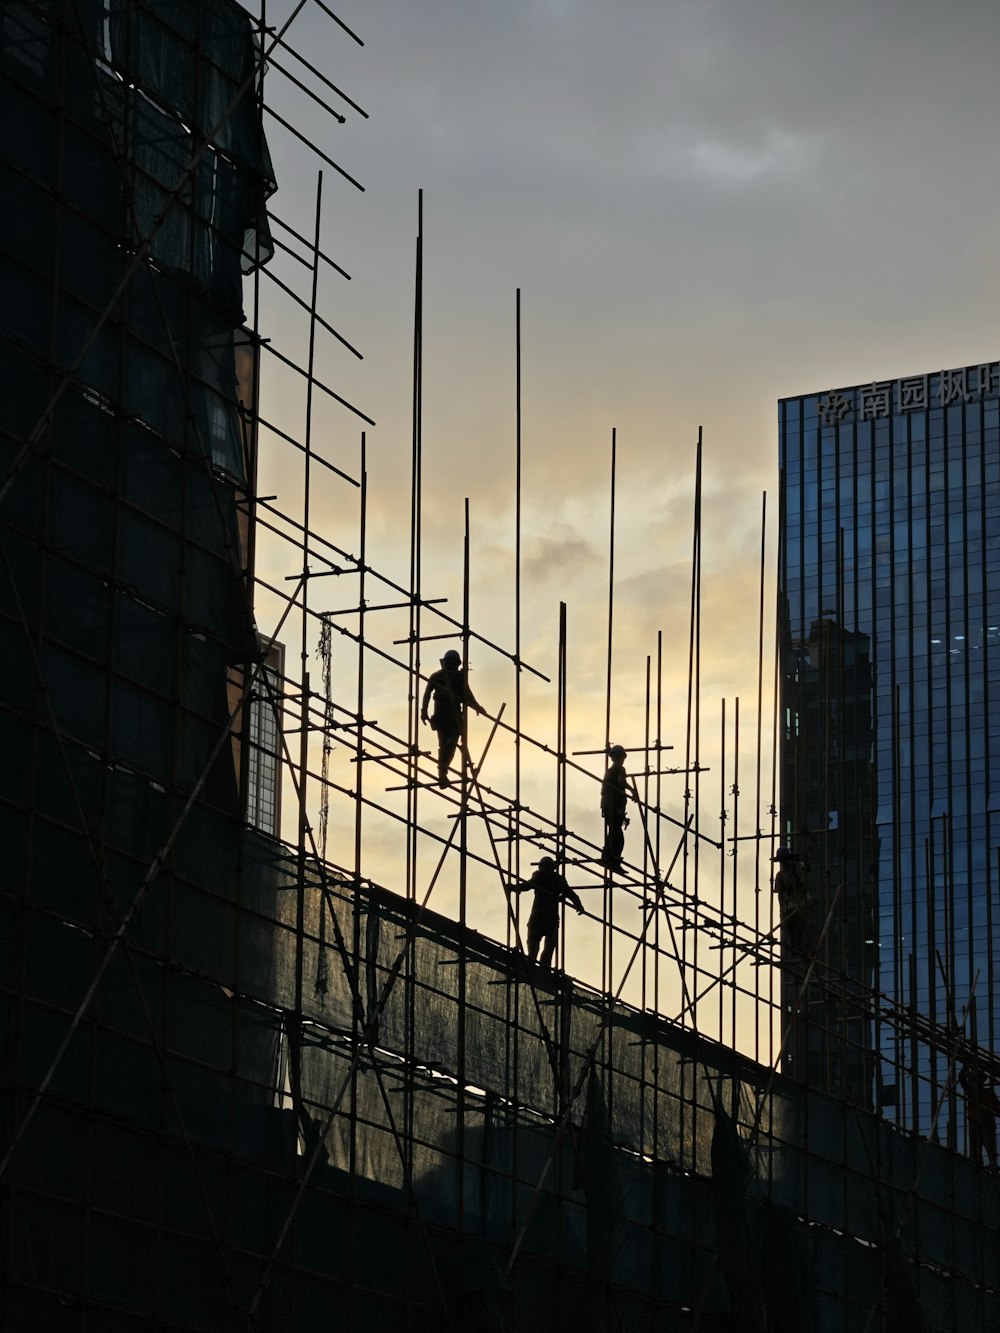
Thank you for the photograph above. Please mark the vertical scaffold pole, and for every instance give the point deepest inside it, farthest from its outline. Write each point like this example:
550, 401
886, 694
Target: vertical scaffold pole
307, 454
414, 692
760, 735
304, 691
777, 738
416, 523
463, 880
360, 706
514, 823
517, 598
607, 952
689, 938
648, 898
734, 988
723, 816
561, 770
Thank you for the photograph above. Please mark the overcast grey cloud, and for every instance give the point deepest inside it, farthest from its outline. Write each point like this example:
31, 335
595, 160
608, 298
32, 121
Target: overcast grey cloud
706, 204
668, 183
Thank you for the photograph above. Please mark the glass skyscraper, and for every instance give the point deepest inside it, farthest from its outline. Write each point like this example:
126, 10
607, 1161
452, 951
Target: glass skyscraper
889, 589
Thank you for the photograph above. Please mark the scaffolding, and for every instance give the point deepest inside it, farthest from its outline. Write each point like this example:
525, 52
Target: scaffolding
275, 1057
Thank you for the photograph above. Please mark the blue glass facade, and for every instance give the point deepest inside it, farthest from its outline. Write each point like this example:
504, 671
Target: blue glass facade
890, 768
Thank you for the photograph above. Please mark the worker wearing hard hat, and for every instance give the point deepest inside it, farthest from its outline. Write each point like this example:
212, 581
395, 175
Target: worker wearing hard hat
614, 796
551, 890
793, 898
450, 692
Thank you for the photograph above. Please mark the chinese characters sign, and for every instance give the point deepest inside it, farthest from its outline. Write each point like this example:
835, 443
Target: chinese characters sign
887, 398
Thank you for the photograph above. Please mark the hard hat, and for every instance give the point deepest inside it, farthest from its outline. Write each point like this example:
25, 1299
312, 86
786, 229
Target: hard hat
618, 752
784, 854
451, 658
546, 863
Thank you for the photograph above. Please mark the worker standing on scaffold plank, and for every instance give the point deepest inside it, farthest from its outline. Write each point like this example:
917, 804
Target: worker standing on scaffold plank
450, 690
614, 795
793, 901
550, 890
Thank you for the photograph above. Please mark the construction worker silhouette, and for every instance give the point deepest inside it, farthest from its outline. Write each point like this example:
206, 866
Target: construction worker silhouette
614, 796
793, 897
450, 692
982, 1106
550, 890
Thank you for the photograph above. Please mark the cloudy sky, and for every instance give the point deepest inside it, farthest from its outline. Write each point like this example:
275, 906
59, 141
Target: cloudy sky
707, 205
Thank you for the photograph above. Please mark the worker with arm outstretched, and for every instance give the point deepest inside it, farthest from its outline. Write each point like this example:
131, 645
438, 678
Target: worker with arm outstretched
551, 890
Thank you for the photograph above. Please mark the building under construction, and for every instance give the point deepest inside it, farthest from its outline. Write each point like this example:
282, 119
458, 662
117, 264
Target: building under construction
249, 1083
